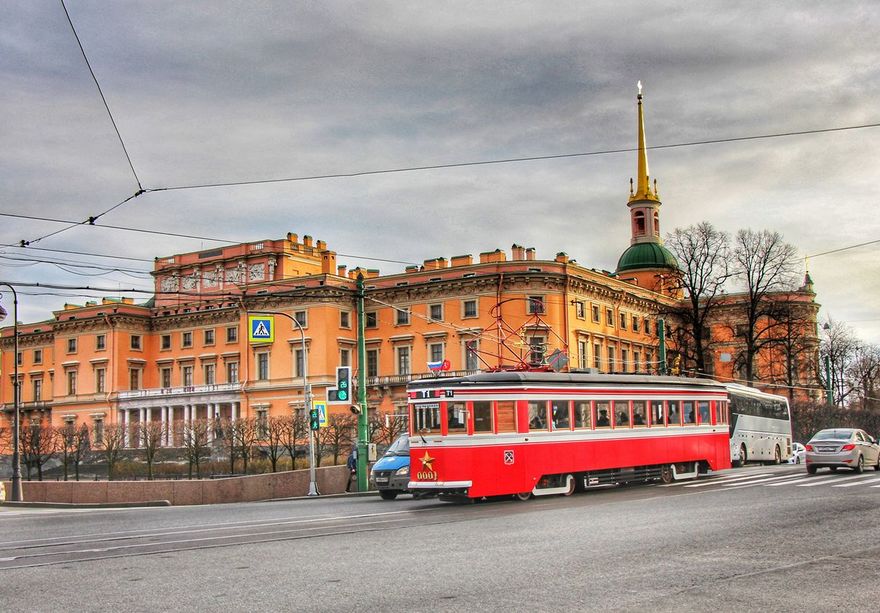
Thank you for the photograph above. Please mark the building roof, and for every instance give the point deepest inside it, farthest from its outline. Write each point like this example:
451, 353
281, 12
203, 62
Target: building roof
646, 255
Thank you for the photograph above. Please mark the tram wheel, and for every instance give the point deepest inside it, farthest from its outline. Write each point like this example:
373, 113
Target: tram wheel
523, 496
666, 474
572, 485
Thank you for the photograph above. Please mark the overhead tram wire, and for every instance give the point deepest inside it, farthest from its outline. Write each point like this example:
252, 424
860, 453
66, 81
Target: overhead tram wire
816, 255
85, 253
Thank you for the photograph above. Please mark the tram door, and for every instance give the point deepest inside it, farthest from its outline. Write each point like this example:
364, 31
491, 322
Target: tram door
510, 461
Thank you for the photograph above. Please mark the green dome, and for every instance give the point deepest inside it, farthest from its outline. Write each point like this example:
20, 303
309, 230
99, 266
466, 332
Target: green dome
646, 255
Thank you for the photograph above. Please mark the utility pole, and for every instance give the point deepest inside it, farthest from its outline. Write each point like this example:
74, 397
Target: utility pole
363, 418
16, 494
661, 334
829, 382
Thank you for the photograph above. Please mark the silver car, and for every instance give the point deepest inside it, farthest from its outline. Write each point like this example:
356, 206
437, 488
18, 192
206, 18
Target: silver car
842, 447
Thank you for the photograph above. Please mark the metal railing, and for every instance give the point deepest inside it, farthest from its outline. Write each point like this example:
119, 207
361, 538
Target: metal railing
158, 392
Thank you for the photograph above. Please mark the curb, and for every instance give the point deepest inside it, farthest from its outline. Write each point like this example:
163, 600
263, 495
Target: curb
85, 505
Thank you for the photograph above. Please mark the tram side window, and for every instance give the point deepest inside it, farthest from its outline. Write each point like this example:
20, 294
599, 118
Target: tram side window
482, 417
657, 413
621, 414
603, 414
721, 413
703, 409
506, 415
583, 418
673, 415
688, 412
456, 417
639, 413
426, 417
537, 414
559, 414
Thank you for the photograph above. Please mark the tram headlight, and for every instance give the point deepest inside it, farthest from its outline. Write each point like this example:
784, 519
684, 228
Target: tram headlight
403, 471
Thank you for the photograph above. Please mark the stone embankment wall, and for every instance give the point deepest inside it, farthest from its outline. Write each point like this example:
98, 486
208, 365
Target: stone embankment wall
330, 480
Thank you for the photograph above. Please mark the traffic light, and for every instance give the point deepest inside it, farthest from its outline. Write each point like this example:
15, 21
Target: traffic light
342, 392
314, 419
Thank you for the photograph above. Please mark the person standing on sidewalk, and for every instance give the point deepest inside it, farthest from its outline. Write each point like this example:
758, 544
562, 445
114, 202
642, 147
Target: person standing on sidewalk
352, 468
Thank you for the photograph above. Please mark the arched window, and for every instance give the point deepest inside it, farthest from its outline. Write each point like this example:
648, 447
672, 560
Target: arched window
639, 219
656, 223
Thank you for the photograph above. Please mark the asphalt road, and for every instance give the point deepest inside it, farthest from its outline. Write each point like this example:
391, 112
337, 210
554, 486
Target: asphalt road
757, 538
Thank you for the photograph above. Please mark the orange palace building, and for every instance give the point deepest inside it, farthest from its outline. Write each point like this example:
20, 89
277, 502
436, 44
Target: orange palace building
185, 353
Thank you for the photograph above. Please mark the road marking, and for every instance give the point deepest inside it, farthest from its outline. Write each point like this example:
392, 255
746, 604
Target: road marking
874, 480
801, 480
757, 482
725, 480
830, 479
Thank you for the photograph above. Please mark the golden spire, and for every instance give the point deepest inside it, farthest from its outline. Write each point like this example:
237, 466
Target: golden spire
643, 181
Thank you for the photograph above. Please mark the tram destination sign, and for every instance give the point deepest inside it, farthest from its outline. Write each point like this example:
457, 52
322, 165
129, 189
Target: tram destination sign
427, 394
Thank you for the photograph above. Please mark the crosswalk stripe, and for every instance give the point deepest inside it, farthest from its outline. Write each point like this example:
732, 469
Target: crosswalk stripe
758, 481
802, 479
725, 480
865, 482
838, 479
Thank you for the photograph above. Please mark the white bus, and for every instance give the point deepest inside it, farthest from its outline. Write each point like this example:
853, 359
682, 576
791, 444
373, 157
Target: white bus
760, 426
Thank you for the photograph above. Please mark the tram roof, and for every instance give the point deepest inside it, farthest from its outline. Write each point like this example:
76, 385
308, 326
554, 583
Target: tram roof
520, 377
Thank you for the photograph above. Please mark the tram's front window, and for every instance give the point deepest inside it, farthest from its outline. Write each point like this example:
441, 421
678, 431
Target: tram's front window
426, 418
456, 417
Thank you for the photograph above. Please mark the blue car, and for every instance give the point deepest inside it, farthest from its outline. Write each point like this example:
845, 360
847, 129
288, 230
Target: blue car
390, 475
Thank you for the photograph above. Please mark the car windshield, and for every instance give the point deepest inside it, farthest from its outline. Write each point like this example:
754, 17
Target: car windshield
839, 435
399, 447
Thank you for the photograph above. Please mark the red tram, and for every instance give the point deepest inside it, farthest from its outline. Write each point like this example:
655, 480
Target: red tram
537, 433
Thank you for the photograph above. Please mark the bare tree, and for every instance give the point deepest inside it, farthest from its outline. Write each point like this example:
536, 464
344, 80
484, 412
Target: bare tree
386, 427
703, 255
336, 436
39, 443
73, 444
838, 349
5, 440
273, 433
864, 373
111, 438
194, 436
151, 434
792, 346
764, 264
245, 434
295, 437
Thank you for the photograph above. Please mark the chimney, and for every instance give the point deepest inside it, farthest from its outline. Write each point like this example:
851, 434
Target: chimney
562, 257
328, 262
307, 241
462, 260
340, 270
487, 257
517, 252
293, 238
321, 245
530, 253
412, 268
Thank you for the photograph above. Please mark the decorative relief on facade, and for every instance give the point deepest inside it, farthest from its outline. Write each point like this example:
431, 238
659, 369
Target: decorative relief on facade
191, 281
218, 274
235, 275
257, 272
209, 279
272, 268
169, 284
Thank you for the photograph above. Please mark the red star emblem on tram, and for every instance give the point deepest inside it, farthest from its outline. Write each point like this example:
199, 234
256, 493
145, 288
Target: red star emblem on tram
427, 462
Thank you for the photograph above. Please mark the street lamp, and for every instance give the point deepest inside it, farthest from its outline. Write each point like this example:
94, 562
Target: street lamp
307, 395
16, 494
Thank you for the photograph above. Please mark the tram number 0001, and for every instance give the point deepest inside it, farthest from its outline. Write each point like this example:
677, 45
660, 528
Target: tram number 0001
426, 475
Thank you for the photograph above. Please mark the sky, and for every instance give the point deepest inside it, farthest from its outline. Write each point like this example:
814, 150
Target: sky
223, 92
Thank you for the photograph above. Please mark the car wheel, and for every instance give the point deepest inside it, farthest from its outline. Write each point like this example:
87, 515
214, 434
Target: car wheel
877, 465
388, 494
811, 470
860, 465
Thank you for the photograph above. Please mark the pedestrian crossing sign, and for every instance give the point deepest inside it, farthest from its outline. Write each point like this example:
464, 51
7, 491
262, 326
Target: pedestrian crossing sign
261, 328
322, 412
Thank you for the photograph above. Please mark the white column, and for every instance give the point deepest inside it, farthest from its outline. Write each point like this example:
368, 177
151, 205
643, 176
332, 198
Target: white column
186, 416
169, 431
126, 442
141, 435
209, 418
233, 408
163, 441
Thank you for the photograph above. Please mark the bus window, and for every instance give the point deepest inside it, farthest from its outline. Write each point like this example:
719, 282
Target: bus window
688, 412
673, 416
703, 407
657, 413
426, 418
456, 417
559, 414
603, 419
506, 411
537, 414
583, 418
482, 417
639, 413
621, 413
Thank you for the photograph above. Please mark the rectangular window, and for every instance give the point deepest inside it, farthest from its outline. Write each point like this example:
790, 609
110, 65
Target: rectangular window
371, 319
579, 310
435, 352
623, 321
402, 316
597, 356
657, 418
186, 339
435, 312
595, 311
506, 415
612, 361
560, 414
298, 356
71, 345
165, 341
209, 336
38, 356
469, 308
232, 372
621, 414
100, 380
426, 417
19, 358
135, 341
472, 355
649, 361
583, 417
210, 374
372, 362
482, 416
703, 411
456, 417
98, 431
582, 354
537, 415
403, 361
232, 334
165, 377
536, 349
302, 318
536, 305
635, 322
187, 376
100, 342
609, 317
263, 366
603, 414
38, 390
640, 413
688, 412
71, 382
345, 357
134, 378
637, 367
624, 360
345, 319
262, 423
673, 415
